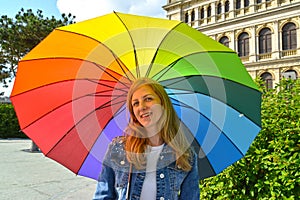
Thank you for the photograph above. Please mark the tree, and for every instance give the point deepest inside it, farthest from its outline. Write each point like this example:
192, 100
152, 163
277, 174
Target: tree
19, 35
271, 168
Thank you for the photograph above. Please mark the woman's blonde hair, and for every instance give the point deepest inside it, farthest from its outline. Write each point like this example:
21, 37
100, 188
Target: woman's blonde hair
171, 133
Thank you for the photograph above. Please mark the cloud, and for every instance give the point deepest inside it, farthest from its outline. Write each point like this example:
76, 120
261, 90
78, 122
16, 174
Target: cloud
92, 8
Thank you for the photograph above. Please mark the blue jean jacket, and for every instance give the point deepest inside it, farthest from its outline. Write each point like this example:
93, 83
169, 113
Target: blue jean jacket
172, 182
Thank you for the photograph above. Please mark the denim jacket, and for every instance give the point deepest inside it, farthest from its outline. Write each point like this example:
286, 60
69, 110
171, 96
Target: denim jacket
172, 182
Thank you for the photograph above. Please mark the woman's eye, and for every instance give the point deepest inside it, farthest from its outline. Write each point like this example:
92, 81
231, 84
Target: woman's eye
148, 99
135, 104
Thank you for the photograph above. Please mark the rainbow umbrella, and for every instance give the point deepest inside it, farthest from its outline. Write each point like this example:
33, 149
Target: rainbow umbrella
70, 90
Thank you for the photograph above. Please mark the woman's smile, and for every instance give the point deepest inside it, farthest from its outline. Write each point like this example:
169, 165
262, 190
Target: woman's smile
148, 114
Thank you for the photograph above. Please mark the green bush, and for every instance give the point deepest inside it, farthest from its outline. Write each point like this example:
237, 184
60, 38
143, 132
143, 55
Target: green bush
9, 126
271, 167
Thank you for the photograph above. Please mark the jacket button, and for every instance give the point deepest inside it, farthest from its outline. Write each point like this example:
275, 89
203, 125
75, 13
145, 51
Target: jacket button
122, 162
162, 176
161, 198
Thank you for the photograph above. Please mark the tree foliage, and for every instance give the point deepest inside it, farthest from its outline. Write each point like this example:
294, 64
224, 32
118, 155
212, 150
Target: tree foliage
271, 167
20, 34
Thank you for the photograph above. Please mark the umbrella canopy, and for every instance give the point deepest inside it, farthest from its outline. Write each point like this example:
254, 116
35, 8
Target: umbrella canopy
70, 90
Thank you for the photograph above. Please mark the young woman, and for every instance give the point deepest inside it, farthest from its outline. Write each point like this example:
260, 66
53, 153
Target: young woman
153, 160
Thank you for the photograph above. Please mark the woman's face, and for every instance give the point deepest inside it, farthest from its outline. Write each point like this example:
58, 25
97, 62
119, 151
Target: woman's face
146, 106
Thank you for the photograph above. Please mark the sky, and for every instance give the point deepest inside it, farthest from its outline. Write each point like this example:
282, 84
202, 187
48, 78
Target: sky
82, 9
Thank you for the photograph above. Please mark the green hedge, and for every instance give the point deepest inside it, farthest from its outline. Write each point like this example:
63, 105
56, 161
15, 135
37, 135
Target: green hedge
271, 167
9, 126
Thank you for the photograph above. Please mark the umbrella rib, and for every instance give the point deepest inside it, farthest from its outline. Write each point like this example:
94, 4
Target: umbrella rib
118, 61
166, 70
100, 107
187, 106
114, 55
169, 67
199, 147
72, 100
133, 45
119, 81
179, 79
97, 82
102, 68
116, 114
105, 71
179, 103
98, 66
151, 63
90, 80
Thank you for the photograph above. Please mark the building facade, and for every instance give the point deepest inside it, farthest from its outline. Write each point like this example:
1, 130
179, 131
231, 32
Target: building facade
264, 33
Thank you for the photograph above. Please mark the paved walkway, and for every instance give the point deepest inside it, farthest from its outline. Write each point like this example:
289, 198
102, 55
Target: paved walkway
32, 176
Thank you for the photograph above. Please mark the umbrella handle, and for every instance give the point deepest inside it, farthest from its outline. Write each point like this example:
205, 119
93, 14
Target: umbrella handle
128, 184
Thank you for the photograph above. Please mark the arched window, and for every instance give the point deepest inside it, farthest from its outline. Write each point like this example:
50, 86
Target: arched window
267, 77
265, 41
219, 10
238, 4
186, 18
225, 41
227, 6
193, 16
209, 11
290, 74
243, 44
202, 13
246, 3
289, 36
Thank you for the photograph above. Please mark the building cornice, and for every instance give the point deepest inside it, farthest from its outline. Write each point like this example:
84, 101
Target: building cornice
283, 12
295, 60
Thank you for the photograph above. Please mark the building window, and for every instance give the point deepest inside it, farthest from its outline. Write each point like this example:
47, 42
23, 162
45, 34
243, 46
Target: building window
289, 37
243, 44
265, 41
238, 4
227, 6
202, 13
219, 10
258, 1
209, 11
193, 16
225, 41
186, 18
268, 80
246, 3
290, 74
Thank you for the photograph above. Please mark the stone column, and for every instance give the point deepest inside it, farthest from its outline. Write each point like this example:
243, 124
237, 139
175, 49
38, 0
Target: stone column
252, 6
276, 41
277, 75
232, 40
298, 36
253, 51
231, 8
213, 12
196, 22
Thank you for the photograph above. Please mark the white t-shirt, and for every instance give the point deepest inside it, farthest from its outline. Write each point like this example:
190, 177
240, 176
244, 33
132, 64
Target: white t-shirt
149, 185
